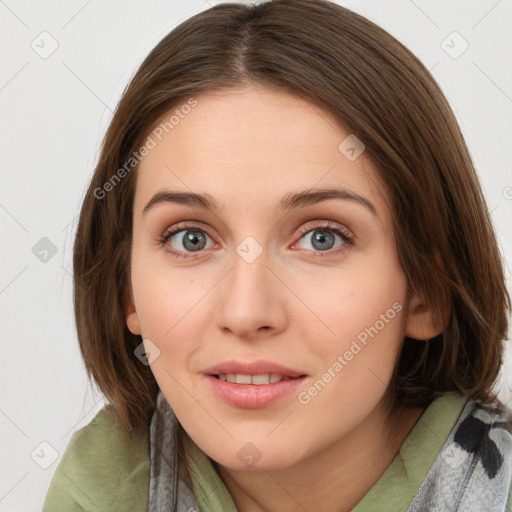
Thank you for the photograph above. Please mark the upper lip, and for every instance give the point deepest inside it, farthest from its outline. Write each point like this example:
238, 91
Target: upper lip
252, 368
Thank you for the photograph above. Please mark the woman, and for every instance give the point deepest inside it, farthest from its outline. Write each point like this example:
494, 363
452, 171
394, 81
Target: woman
287, 283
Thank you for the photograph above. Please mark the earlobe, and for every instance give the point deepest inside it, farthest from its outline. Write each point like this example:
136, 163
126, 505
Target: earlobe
421, 323
132, 319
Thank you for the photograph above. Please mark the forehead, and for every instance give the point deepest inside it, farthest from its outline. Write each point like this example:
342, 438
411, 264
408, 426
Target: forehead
253, 145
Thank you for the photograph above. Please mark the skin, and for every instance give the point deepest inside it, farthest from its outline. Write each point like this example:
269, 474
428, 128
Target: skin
248, 148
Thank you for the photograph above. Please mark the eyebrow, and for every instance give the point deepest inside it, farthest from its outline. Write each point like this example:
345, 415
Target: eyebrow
290, 201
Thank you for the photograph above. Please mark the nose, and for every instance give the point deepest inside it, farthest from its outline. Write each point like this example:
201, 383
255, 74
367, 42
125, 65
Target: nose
251, 300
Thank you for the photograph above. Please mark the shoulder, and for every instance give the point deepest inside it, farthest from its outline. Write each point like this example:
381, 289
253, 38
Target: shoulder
104, 467
473, 471
482, 428
485, 435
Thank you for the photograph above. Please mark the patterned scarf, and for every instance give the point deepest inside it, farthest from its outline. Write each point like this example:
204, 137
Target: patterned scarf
472, 472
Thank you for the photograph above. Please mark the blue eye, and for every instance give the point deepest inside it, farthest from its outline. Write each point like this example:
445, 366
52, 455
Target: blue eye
324, 239
191, 240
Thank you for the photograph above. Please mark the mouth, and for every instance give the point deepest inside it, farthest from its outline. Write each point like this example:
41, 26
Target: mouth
256, 380
252, 385
260, 371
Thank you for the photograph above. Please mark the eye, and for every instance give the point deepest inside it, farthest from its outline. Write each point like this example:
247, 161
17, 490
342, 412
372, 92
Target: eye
322, 238
185, 239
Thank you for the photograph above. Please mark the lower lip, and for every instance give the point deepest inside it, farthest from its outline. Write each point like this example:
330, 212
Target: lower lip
252, 396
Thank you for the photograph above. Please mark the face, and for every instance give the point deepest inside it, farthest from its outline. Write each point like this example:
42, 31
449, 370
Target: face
266, 282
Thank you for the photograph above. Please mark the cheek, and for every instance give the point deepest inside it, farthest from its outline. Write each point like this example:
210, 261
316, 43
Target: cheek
357, 361
360, 321
348, 302
170, 310
166, 298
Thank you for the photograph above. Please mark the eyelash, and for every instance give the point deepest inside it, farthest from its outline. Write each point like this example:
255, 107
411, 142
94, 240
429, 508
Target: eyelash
323, 226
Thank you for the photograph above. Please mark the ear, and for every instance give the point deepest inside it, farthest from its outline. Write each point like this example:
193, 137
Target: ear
421, 323
130, 314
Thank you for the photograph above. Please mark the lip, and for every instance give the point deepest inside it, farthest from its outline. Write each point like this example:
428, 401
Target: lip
252, 396
253, 368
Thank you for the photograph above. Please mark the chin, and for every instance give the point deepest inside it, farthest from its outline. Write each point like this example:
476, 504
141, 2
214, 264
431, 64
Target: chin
256, 456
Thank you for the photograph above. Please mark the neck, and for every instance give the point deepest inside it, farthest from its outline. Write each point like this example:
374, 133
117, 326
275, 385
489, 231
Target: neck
338, 476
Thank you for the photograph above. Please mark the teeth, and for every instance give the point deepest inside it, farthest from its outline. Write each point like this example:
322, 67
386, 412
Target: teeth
242, 379
275, 377
264, 378
261, 379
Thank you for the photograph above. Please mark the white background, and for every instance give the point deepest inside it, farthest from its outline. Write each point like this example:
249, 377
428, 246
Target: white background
54, 114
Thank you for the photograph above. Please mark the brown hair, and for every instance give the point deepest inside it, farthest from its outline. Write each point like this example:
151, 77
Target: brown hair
377, 88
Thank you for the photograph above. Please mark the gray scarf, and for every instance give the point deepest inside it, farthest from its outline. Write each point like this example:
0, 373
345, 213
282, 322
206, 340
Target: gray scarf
170, 489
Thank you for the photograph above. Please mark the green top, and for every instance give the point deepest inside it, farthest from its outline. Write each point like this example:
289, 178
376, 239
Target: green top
105, 468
